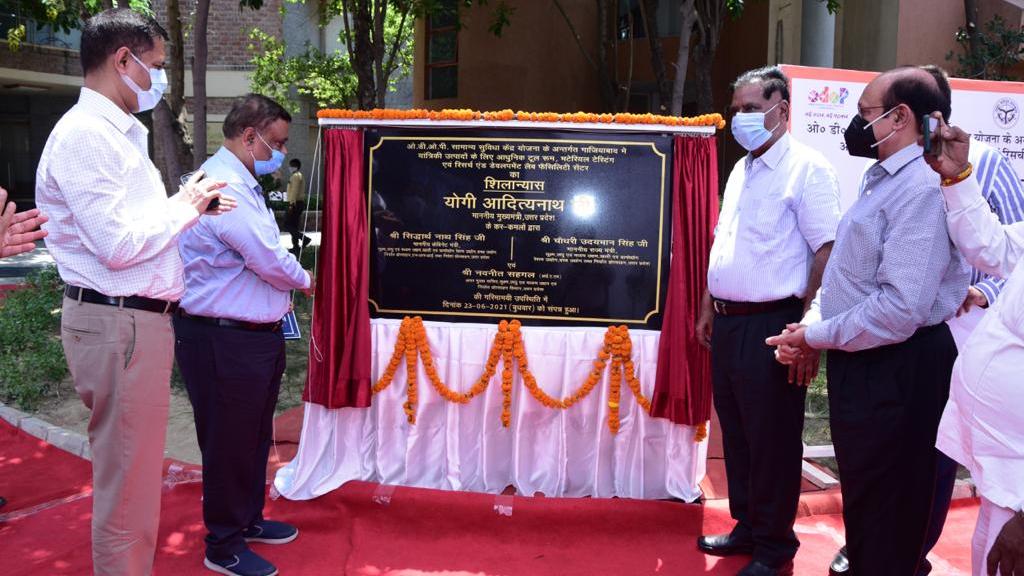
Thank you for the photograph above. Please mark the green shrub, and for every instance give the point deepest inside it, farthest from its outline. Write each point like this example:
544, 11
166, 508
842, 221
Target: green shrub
31, 356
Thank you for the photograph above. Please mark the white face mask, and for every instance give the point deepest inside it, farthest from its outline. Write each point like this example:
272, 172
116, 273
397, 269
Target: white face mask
872, 123
749, 131
148, 99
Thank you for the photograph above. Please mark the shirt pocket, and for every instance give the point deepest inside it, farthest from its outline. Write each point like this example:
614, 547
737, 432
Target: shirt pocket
862, 248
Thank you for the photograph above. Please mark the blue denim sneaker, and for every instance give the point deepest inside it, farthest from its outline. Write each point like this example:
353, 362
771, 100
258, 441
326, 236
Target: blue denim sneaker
245, 563
270, 532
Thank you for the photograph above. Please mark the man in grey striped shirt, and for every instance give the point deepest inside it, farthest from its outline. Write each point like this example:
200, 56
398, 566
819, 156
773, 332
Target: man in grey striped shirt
893, 280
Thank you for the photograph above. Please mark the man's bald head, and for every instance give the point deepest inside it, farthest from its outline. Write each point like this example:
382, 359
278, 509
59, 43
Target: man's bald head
941, 79
915, 87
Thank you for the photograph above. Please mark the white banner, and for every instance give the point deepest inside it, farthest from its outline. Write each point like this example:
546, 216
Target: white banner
823, 100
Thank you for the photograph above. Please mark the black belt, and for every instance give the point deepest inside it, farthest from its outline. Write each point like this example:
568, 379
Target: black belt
229, 323
134, 302
729, 308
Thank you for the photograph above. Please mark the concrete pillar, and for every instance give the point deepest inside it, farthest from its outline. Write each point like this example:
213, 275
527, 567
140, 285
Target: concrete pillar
817, 34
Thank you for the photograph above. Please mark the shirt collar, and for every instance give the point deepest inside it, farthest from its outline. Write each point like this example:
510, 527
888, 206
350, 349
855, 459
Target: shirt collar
773, 155
103, 106
897, 161
231, 162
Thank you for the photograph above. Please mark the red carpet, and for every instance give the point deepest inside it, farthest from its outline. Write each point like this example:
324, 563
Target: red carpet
33, 472
434, 533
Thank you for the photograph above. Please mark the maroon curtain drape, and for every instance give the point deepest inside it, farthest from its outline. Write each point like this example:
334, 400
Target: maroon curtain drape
682, 388
339, 351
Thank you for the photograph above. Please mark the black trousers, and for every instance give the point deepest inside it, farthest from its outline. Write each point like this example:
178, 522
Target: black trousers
885, 404
233, 377
293, 223
762, 418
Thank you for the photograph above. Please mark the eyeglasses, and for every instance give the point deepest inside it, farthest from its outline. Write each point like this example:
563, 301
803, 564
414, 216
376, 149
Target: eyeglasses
861, 109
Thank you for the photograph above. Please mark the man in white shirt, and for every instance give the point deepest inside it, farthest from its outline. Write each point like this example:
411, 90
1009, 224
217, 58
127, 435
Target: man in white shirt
982, 426
774, 235
112, 232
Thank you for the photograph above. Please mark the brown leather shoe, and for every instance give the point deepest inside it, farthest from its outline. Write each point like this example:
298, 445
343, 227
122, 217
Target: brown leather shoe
756, 568
724, 545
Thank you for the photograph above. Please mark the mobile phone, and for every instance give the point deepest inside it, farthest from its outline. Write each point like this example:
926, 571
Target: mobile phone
932, 138
214, 204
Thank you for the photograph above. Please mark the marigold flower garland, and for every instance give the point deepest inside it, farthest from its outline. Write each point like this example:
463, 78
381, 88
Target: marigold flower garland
507, 115
508, 347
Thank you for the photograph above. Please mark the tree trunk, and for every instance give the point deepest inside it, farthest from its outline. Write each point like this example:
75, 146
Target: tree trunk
689, 18
380, 79
705, 95
710, 16
632, 61
362, 54
170, 128
199, 81
389, 66
123, 4
164, 142
649, 10
600, 66
973, 42
604, 39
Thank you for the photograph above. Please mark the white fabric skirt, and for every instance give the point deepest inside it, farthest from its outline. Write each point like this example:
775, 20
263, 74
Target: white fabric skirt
560, 453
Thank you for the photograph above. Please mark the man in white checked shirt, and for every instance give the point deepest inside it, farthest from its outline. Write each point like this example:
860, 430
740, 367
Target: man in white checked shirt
773, 239
112, 232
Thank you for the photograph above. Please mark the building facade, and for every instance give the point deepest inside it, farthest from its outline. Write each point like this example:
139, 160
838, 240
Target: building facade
40, 81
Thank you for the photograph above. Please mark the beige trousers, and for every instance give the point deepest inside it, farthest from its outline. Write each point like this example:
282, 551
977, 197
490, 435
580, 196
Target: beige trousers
120, 361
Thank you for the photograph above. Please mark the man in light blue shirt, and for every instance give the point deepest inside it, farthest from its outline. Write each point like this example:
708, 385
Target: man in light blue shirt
893, 280
229, 343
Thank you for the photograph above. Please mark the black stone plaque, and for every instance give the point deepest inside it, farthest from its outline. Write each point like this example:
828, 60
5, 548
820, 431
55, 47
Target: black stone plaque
552, 227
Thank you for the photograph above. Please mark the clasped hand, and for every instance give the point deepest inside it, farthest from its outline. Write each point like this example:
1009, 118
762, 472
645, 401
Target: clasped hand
792, 349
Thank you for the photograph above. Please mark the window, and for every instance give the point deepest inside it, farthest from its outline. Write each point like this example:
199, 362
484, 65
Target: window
443, 51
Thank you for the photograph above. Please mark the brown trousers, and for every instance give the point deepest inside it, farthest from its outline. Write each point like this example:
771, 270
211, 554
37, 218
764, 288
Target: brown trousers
120, 361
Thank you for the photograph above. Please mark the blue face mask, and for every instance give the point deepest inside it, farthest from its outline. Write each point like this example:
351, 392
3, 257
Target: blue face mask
262, 167
749, 131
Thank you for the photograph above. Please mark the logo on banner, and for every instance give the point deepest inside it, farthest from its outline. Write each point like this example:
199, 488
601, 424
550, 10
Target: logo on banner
1006, 113
828, 95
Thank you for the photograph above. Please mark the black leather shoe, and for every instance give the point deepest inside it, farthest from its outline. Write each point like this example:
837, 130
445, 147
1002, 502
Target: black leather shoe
756, 568
840, 565
724, 545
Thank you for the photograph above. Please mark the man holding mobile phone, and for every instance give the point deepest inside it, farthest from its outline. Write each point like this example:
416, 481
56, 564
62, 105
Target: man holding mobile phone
113, 234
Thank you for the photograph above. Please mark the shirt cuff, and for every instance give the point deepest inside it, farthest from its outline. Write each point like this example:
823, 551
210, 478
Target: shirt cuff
962, 195
816, 335
812, 316
990, 289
